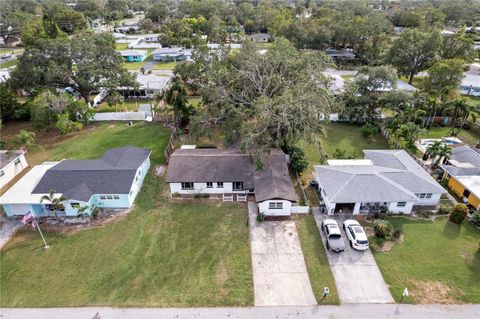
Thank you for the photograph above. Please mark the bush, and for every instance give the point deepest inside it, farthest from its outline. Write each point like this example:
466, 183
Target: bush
341, 154
383, 228
443, 210
66, 125
260, 218
298, 162
369, 129
459, 213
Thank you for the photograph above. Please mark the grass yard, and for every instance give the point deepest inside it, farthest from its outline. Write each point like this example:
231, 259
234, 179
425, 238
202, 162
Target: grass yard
127, 105
121, 46
345, 137
474, 100
194, 101
439, 262
8, 64
316, 260
165, 65
468, 136
163, 253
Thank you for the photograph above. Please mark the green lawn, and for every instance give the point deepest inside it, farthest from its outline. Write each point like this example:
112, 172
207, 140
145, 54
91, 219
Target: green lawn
434, 255
475, 100
127, 105
165, 65
345, 137
121, 46
8, 64
316, 260
468, 136
194, 101
163, 253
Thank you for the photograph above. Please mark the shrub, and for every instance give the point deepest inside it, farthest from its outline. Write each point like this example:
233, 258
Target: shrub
342, 154
369, 129
260, 218
443, 210
383, 228
459, 213
66, 125
298, 162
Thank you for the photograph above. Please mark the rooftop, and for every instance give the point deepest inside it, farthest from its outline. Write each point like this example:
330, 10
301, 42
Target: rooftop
132, 52
7, 157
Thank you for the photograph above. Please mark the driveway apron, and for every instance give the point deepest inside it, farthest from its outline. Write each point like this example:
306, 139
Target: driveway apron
280, 276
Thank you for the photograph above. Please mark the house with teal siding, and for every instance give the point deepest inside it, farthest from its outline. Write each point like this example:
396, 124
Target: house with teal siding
133, 55
110, 182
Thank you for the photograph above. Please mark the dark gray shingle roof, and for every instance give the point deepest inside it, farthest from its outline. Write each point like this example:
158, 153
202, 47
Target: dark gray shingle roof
231, 165
80, 179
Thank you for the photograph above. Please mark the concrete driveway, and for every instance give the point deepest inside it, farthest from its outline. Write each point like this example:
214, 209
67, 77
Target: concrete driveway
7, 228
356, 273
280, 276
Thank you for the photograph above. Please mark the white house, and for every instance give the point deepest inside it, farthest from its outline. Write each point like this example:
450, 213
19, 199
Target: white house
386, 179
172, 54
149, 86
11, 164
229, 172
471, 81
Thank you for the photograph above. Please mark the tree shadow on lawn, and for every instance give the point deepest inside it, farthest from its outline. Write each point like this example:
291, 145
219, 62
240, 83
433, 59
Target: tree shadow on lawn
451, 230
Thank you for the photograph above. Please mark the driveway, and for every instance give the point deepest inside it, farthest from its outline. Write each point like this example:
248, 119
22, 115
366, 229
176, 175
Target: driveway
356, 273
280, 276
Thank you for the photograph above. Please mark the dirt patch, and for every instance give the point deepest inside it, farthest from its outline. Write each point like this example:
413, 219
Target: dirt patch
103, 219
434, 292
160, 170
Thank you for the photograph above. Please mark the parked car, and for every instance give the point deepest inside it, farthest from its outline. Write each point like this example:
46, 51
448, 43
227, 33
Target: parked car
355, 234
334, 236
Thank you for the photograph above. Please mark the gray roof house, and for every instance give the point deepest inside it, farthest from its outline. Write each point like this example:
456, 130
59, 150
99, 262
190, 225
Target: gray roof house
220, 172
388, 179
112, 181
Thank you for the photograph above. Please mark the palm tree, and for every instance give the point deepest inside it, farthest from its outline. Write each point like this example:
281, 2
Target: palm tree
461, 111
438, 150
56, 202
25, 139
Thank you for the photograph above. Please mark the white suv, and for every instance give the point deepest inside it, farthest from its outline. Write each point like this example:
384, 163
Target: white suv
355, 234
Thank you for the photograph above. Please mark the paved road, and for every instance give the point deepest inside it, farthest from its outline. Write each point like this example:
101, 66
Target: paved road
314, 312
356, 273
279, 273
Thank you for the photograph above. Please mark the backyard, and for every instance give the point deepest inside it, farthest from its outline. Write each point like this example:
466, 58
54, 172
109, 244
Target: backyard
346, 137
163, 253
467, 136
439, 262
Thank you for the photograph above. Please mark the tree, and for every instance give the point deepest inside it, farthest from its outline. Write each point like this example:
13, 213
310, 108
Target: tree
114, 99
298, 161
55, 202
406, 135
176, 96
457, 46
374, 79
25, 139
157, 13
70, 21
9, 106
414, 51
461, 111
87, 62
270, 100
444, 77
438, 150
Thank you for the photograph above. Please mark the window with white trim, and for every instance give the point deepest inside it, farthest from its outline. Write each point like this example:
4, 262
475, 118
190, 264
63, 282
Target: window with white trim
187, 185
209, 185
429, 195
2, 173
275, 205
219, 184
401, 204
17, 161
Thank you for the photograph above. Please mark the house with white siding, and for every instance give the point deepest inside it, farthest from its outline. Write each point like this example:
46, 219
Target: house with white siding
12, 163
389, 180
229, 172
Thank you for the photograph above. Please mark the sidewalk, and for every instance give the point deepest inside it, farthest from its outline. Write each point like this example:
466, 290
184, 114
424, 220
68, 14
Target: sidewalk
310, 312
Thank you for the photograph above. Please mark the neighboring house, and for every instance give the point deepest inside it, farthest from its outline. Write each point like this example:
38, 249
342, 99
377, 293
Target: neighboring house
338, 84
172, 54
110, 182
340, 55
386, 179
133, 55
127, 29
11, 164
260, 37
149, 86
4, 75
463, 174
471, 81
225, 172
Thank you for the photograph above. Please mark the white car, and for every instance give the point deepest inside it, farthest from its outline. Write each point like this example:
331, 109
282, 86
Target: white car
355, 234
